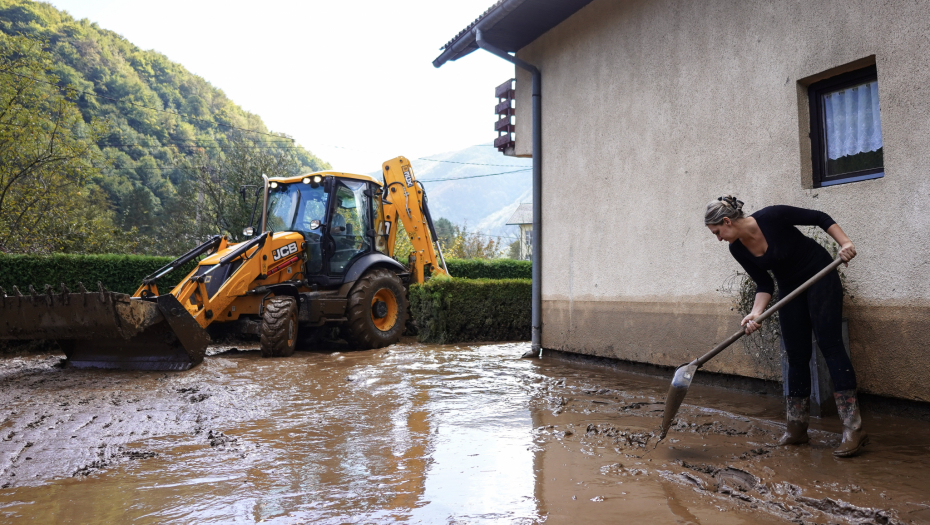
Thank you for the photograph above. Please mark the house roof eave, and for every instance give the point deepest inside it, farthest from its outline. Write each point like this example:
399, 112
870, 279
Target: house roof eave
510, 25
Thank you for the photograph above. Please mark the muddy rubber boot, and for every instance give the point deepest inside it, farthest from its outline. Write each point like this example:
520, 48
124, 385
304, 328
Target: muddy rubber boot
799, 416
847, 404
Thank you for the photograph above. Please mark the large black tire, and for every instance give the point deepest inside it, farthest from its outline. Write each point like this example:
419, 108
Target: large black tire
279, 327
370, 325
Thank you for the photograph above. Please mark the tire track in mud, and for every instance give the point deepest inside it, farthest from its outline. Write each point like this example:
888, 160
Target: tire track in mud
60, 422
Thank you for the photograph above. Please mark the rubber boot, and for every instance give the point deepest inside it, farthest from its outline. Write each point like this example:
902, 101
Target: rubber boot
847, 404
799, 416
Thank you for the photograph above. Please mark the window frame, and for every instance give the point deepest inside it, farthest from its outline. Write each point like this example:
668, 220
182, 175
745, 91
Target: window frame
815, 94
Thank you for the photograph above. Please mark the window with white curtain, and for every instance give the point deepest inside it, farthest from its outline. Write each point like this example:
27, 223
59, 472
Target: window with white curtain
846, 128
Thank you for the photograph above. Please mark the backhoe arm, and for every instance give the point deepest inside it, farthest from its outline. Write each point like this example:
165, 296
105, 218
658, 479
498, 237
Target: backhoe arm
149, 288
405, 202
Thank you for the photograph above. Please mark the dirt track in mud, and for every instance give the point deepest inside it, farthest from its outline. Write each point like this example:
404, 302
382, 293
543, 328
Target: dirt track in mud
420, 433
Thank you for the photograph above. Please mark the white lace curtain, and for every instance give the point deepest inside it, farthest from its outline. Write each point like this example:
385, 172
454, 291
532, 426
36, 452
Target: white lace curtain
852, 120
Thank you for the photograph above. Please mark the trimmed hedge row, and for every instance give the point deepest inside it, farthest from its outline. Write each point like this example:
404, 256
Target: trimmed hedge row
468, 307
458, 310
118, 273
490, 269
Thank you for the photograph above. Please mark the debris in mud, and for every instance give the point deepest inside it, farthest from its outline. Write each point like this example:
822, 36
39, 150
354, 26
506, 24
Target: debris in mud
756, 452
106, 459
598, 392
706, 469
738, 484
219, 439
617, 469
140, 454
197, 398
694, 480
735, 478
840, 508
621, 437
716, 427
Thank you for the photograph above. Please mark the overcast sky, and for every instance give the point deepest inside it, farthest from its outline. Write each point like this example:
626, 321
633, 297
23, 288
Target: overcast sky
352, 81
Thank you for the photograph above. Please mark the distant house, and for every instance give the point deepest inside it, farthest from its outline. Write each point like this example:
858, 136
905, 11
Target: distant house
523, 217
651, 108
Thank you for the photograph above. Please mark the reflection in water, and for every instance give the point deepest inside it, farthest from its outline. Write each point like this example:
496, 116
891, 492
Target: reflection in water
419, 434
413, 433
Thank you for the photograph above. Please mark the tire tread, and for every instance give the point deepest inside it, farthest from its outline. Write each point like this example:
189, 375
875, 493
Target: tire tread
278, 310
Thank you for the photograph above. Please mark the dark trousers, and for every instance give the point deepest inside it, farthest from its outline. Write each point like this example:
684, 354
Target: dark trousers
818, 309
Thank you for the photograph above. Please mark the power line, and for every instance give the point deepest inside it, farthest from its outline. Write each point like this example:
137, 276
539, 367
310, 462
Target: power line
62, 88
498, 236
200, 167
471, 163
144, 168
476, 176
215, 146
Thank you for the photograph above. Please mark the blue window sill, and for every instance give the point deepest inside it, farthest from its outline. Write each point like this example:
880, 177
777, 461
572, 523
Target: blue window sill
870, 176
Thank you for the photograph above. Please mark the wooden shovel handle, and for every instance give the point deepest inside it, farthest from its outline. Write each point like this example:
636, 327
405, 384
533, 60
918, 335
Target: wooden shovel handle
766, 314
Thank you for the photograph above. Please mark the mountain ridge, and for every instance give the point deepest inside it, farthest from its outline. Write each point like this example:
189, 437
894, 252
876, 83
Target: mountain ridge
472, 186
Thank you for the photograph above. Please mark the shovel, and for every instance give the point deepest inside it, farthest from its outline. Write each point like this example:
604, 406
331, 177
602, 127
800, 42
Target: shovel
685, 373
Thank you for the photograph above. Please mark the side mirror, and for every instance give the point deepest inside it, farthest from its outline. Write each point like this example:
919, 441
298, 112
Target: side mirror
248, 231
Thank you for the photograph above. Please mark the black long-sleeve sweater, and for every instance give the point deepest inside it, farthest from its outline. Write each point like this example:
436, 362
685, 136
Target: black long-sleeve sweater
791, 256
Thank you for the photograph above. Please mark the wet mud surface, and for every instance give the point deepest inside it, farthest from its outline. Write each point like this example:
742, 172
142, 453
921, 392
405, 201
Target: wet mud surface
426, 434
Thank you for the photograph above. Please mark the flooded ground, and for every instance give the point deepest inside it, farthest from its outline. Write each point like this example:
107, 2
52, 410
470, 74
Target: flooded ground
426, 434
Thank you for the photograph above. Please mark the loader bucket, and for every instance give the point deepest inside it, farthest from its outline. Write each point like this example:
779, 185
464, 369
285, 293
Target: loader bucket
107, 329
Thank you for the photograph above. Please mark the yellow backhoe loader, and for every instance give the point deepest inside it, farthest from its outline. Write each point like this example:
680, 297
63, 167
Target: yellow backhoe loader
322, 255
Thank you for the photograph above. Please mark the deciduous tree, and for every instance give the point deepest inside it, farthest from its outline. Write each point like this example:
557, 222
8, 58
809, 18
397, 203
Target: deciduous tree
47, 152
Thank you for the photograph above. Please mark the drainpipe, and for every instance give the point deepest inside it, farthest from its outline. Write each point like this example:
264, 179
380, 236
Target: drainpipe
536, 348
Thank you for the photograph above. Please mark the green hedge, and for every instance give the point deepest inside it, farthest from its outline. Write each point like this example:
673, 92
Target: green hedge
458, 310
118, 273
490, 269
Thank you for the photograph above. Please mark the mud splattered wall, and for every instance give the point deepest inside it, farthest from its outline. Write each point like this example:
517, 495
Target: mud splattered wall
652, 108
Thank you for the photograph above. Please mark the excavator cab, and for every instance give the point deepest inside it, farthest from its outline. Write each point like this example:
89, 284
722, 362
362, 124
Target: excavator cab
322, 255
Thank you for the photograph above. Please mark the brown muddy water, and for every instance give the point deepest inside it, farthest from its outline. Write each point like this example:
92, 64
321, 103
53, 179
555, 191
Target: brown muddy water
426, 434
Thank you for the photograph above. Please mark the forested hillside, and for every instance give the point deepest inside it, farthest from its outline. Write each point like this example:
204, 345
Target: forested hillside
105, 147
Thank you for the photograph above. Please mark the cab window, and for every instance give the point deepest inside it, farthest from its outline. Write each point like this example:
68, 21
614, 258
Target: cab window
300, 207
350, 221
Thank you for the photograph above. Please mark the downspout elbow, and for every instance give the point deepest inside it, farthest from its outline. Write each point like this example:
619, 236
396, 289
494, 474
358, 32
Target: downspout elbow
494, 50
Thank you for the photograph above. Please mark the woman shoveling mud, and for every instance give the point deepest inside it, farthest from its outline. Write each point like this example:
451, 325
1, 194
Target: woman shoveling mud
768, 240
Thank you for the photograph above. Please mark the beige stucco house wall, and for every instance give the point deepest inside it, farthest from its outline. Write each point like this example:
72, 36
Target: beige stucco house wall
652, 108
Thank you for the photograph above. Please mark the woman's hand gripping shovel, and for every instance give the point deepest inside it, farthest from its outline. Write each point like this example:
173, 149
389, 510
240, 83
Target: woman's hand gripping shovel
685, 373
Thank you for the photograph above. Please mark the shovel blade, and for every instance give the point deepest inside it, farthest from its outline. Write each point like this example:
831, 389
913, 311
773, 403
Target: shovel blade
676, 394
108, 329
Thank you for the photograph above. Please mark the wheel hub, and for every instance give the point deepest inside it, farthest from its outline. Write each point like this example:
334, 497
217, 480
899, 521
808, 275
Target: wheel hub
379, 310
